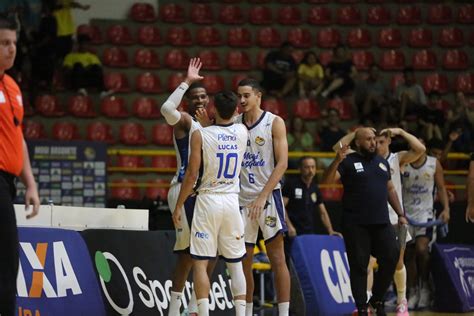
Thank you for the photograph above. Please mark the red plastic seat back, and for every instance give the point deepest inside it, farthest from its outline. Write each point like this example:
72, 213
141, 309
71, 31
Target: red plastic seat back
238, 60
268, 37
307, 109
319, 16
179, 36
162, 134
148, 83
420, 38
231, 14
143, 12
114, 107
65, 131
409, 15
213, 83
378, 15
276, 107
201, 13
390, 38
208, 36
163, 162
260, 15
100, 131
115, 57
466, 14
119, 35
289, 15
349, 15
149, 35
328, 38
146, 108
125, 189
435, 83
300, 38
239, 37
210, 60
116, 81
157, 189
440, 14
33, 130
359, 38
81, 106
172, 13
48, 105
177, 59
424, 60
132, 134
455, 59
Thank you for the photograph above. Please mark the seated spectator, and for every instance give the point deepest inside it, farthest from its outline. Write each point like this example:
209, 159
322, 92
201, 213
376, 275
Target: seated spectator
410, 94
340, 74
299, 139
83, 69
310, 76
431, 119
279, 74
331, 133
461, 119
371, 97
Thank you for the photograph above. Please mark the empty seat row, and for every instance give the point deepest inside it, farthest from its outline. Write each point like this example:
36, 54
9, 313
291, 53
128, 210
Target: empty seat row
162, 162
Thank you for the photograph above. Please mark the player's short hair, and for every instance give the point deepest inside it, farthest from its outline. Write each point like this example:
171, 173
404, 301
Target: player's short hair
7, 22
250, 82
195, 85
226, 103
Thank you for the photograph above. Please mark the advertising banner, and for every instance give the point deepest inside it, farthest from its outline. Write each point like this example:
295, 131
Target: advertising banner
56, 276
323, 271
134, 270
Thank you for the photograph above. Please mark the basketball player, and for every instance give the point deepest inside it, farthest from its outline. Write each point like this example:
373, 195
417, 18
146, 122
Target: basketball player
217, 224
419, 180
265, 162
184, 124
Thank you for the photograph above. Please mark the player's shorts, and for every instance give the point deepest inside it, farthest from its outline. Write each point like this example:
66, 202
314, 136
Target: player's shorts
421, 216
183, 234
271, 222
217, 227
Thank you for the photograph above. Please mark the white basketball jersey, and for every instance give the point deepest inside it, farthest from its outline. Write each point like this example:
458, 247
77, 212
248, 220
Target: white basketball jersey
182, 147
223, 149
259, 158
394, 162
418, 187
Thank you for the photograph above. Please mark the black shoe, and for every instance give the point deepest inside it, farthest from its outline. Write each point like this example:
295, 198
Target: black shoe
378, 308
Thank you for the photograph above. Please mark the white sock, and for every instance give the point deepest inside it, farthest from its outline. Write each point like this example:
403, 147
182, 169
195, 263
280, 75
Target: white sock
249, 309
192, 306
369, 295
400, 278
283, 309
240, 308
203, 306
175, 303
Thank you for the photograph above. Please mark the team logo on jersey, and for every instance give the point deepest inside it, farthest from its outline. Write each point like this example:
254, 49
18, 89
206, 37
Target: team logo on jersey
259, 141
383, 167
427, 176
270, 221
314, 197
358, 167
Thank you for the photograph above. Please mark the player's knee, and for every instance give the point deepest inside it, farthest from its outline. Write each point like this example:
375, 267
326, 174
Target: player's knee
238, 278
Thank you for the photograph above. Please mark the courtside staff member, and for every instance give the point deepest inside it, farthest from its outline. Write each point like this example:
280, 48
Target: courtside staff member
366, 225
14, 162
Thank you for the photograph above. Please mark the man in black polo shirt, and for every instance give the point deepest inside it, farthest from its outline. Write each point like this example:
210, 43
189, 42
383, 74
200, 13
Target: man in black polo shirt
366, 225
470, 192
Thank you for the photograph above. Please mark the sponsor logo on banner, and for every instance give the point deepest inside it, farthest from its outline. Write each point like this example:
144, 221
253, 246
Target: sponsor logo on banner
340, 287
463, 262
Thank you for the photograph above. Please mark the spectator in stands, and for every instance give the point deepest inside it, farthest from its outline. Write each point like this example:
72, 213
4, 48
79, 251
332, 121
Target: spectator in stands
310, 76
299, 139
340, 74
460, 118
410, 94
430, 118
83, 69
279, 74
371, 97
330, 134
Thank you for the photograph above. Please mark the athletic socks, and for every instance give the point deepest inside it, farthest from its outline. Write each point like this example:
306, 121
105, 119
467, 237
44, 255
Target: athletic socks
203, 306
283, 309
175, 304
400, 278
240, 308
192, 306
249, 309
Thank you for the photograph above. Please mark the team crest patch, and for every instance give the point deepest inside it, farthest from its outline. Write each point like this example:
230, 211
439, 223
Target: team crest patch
383, 167
259, 141
270, 221
427, 176
314, 197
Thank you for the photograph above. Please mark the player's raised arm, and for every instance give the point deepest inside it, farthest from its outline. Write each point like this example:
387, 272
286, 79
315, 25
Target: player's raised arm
416, 147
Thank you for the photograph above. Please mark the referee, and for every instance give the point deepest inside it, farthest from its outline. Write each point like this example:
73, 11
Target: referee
365, 223
14, 161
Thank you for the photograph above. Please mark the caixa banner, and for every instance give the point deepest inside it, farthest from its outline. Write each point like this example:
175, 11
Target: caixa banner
323, 273
134, 270
56, 276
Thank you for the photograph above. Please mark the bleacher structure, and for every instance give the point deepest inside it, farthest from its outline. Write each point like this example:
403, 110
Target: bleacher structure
146, 55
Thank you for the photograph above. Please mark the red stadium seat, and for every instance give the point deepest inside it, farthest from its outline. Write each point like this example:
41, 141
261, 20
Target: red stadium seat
359, 38
276, 107
362, 60
143, 12
126, 190
390, 38
455, 60
119, 35
328, 38
149, 35
409, 15
325, 57
116, 81
300, 38
93, 31
179, 36
466, 14
239, 37
213, 83
162, 134
33, 130
268, 37
168, 162
349, 15
424, 60
177, 59
451, 37
236, 79
319, 16
114, 107
201, 13
290, 1
157, 189
210, 60
146, 108
261, 55
146, 58
65, 131
115, 57
289, 15
464, 83
238, 60
440, 14
174, 80
132, 134
172, 13
259, 1
307, 109
317, 1
81, 106
420, 38
48, 105
260, 15
392, 60
208, 36
435, 83
100, 132
332, 194
378, 15
342, 106
231, 14
148, 83
125, 161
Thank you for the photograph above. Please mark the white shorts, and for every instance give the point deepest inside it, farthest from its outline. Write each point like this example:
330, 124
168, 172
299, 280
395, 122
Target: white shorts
271, 222
421, 216
182, 235
217, 227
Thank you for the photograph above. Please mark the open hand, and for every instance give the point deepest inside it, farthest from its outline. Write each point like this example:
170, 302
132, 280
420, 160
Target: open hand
193, 71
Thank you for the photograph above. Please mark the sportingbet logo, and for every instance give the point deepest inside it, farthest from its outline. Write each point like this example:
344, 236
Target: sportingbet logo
340, 287
41, 286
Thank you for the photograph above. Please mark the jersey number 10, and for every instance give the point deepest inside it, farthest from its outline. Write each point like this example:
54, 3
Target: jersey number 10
228, 164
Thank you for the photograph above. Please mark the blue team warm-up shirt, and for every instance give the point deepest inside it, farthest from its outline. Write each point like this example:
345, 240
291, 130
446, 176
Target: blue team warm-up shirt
365, 189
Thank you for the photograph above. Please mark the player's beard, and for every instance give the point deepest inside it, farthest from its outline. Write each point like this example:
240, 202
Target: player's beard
367, 153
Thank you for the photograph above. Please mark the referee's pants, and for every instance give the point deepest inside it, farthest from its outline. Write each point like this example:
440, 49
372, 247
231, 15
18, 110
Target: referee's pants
9, 247
362, 241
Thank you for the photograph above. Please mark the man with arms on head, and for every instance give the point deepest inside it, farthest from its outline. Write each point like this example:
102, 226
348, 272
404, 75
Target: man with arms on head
217, 223
366, 225
14, 162
265, 162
